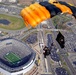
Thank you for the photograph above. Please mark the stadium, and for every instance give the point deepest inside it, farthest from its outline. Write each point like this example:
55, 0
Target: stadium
16, 58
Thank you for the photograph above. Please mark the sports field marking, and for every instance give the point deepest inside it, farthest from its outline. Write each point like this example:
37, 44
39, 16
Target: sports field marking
12, 57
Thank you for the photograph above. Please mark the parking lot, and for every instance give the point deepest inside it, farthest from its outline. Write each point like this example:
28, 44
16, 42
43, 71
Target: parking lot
61, 71
10, 9
53, 54
32, 38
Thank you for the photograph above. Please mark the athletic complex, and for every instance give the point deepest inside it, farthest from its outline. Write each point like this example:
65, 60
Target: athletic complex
16, 58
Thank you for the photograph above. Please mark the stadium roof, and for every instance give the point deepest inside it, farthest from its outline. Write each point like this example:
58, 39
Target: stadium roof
14, 55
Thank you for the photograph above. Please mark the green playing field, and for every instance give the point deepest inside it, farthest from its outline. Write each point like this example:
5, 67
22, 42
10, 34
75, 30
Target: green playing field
12, 57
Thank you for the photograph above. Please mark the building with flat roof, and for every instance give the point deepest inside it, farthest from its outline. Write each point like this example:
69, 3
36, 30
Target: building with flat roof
12, 0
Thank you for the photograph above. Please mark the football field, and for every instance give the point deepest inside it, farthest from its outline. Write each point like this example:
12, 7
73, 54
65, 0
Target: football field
12, 57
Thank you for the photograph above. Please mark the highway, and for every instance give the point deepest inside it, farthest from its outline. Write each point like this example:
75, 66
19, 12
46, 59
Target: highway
72, 70
62, 52
41, 44
50, 69
45, 62
43, 40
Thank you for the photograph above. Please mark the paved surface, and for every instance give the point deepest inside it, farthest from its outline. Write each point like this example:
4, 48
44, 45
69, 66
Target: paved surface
49, 65
46, 64
41, 42
72, 70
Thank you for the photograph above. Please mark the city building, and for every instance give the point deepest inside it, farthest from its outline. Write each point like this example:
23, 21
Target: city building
12, 0
26, 2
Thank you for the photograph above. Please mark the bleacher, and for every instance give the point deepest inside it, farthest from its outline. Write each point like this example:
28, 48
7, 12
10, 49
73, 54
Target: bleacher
23, 51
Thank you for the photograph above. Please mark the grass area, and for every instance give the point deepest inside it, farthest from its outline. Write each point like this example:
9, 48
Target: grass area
62, 61
59, 20
11, 57
46, 32
67, 69
64, 65
15, 23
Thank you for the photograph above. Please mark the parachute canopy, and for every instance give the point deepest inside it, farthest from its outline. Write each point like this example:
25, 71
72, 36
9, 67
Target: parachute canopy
38, 12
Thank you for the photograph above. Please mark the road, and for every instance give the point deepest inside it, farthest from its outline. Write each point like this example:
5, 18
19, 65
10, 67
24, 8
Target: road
45, 62
72, 70
41, 44
50, 69
62, 52
43, 39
